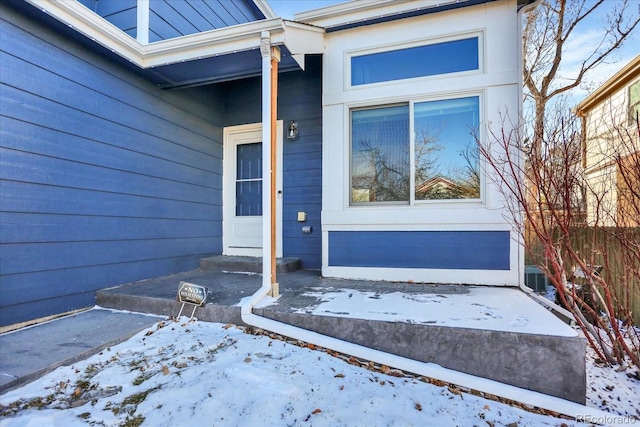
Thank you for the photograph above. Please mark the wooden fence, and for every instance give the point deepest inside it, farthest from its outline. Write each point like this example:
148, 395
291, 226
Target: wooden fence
615, 249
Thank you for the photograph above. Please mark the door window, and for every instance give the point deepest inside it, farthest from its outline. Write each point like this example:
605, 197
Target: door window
249, 179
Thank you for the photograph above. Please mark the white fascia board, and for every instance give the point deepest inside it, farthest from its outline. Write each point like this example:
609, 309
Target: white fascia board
358, 10
303, 38
299, 39
265, 8
341, 9
222, 41
85, 21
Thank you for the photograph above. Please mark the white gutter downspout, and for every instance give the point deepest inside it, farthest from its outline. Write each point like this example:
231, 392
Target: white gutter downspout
265, 51
270, 58
430, 370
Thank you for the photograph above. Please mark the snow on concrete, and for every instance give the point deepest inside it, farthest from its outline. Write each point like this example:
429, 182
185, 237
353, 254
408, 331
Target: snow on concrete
490, 308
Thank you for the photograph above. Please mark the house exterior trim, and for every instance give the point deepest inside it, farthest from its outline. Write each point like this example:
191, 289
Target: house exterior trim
265, 8
381, 229
407, 14
615, 83
221, 41
355, 14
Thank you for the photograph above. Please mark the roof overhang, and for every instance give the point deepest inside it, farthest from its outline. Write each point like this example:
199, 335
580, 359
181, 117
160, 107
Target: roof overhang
358, 13
167, 58
620, 79
265, 8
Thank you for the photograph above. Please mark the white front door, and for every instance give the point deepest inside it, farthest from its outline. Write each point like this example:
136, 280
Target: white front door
242, 190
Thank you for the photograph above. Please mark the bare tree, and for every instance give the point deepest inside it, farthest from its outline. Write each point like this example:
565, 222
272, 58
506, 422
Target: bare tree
543, 182
595, 269
548, 29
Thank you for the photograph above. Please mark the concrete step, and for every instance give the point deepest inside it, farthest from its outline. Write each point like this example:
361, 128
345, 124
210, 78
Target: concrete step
247, 264
508, 355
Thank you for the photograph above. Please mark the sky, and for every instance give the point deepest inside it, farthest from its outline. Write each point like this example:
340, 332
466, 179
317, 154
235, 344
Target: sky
200, 373
585, 37
589, 35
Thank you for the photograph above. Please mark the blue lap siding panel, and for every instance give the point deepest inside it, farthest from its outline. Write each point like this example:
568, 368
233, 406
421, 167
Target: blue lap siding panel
171, 18
168, 19
104, 178
299, 99
453, 250
121, 13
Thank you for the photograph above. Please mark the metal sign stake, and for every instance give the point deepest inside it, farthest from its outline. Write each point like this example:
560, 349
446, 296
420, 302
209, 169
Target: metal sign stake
191, 294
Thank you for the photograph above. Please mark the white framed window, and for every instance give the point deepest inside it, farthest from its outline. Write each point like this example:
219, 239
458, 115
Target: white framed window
416, 151
633, 115
418, 59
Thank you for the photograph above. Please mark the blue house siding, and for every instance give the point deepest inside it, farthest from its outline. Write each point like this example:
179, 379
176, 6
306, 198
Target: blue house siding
104, 178
168, 19
171, 18
453, 250
121, 13
299, 99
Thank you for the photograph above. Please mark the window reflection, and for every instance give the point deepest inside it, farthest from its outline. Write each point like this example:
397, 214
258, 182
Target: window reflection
446, 153
380, 154
249, 179
446, 162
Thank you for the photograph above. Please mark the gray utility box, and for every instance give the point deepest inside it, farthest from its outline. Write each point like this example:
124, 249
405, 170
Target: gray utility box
535, 279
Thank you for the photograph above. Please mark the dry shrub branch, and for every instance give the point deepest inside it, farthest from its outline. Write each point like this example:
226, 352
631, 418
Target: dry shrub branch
582, 232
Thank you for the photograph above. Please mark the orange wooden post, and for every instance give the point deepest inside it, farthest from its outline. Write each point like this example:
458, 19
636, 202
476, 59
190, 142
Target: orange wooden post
275, 58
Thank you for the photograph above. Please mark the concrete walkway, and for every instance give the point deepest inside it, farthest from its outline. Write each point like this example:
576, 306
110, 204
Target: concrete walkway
29, 353
502, 354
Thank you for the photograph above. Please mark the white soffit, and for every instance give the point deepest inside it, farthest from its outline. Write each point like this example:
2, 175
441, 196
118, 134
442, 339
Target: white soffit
299, 38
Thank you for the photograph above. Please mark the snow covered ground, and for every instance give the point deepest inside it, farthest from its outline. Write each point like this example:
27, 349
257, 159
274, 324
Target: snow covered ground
209, 374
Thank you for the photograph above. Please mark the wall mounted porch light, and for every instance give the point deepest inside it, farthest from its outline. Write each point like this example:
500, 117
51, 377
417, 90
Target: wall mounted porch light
292, 133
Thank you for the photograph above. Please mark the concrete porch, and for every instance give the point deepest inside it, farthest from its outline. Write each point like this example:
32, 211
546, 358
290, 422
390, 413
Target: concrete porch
495, 333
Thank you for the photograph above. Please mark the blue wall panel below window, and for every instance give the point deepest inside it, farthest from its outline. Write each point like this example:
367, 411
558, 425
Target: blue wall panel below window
454, 250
